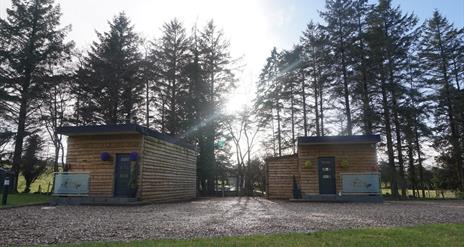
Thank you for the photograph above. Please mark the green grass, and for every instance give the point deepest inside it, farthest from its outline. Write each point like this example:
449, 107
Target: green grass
426, 235
25, 199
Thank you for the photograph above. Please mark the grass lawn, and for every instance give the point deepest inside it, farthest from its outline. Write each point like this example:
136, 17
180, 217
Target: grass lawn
425, 235
24, 199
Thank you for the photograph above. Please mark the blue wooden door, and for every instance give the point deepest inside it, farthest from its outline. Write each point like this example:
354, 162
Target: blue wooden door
327, 183
122, 176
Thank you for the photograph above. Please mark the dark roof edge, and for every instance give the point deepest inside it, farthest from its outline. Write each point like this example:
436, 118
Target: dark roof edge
339, 139
123, 128
281, 157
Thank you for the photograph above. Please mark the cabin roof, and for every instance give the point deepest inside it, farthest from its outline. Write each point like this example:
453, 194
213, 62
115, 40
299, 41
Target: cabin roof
122, 129
315, 140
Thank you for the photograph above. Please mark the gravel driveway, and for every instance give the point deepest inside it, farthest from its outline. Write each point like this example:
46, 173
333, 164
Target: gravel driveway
211, 217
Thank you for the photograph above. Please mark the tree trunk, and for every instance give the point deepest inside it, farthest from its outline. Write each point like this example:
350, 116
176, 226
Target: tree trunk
399, 146
391, 157
321, 111
346, 91
20, 134
279, 134
303, 94
292, 106
316, 106
412, 168
367, 118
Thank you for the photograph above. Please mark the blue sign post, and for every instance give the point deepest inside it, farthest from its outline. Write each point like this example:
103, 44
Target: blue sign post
6, 187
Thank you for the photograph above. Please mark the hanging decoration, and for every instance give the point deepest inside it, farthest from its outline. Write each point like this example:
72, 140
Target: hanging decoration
105, 156
308, 164
344, 163
133, 156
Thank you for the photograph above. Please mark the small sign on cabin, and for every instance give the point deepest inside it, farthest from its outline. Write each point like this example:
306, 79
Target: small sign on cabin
67, 183
361, 183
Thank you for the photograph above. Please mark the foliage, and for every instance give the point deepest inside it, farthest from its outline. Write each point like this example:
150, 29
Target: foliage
108, 82
31, 165
32, 48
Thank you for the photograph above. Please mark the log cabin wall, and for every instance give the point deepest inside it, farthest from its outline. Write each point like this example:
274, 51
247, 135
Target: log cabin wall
279, 174
168, 171
361, 157
84, 155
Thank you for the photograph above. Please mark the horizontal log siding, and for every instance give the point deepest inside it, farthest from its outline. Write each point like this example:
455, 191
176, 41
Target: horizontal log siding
279, 173
361, 158
168, 171
84, 155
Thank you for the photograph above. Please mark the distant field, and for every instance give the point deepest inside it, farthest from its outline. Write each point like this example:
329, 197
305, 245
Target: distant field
43, 181
428, 193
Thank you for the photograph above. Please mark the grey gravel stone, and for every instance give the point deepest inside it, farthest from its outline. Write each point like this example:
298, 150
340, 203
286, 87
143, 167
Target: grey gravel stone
211, 217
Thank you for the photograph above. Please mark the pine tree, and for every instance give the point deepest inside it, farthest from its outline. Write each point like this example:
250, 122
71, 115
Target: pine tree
218, 77
31, 165
32, 46
340, 18
316, 62
396, 32
268, 100
363, 88
440, 46
109, 83
170, 56
290, 76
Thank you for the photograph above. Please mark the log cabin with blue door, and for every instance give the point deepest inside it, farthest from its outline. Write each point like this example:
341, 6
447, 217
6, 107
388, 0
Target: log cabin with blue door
118, 164
327, 168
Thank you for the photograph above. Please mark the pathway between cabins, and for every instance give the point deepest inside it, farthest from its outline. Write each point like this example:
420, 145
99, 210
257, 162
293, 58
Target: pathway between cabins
210, 217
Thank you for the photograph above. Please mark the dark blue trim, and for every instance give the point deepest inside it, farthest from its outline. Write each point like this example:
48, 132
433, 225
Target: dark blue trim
339, 139
122, 128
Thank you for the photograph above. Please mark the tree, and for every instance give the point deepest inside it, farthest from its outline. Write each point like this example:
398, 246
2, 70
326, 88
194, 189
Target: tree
54, 114
170, 57
109, 83
268, 100
340, 27
394, 34
441, 44
217, 76
363, 88
291, 77
31, 46
243, 130
316, 63
31, 165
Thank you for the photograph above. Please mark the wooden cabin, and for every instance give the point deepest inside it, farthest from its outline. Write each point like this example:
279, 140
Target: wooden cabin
327, 168
128, 163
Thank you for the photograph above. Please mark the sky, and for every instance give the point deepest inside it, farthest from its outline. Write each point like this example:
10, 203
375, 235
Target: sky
253, 27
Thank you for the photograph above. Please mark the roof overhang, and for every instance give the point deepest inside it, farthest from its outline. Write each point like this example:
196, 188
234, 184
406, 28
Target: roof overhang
353, 139
112, 129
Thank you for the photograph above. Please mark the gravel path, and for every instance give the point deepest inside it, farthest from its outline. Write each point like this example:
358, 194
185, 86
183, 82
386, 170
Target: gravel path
211, 217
